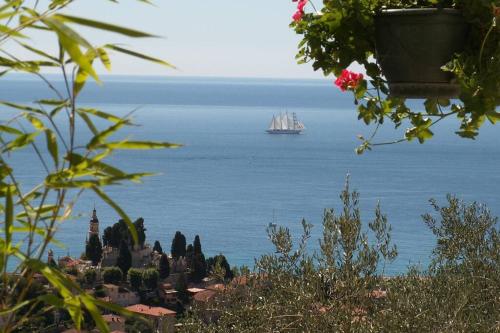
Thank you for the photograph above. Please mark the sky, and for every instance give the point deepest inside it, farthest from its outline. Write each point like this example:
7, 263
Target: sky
224, 38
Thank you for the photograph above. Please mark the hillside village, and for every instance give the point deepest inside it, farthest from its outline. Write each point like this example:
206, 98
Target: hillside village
144, 279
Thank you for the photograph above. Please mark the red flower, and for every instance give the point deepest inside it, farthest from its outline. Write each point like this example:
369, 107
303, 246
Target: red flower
298, 15
348, 80
301, 5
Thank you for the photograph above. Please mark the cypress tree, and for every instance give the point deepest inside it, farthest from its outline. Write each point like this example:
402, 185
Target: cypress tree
189, 256
107, 236
124, 260
197, 245
93, 250
157, 247
178, 248
164, 267
141, 231
199, 268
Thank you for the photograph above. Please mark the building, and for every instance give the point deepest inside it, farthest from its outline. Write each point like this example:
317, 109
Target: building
121, 296
115, 323
163, 320
93, 225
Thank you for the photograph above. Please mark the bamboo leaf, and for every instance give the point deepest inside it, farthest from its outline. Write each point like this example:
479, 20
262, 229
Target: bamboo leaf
117, 209
9, 218
70, 40
101, 137
102, 26
139, 55
10, 130
52, 146
37, 123
95, 313
104, 57
138, 145
101, 114
89, 122
39, 52
22, 107
20, 141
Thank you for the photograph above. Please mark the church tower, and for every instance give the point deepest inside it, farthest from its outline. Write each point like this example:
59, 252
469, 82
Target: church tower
93, 225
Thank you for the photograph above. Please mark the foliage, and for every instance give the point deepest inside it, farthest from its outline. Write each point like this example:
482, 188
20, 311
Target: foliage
113, 275
118, 232
150, 278
178, 248
48, 128
181, 285
138, 325
343, 33
339, 289
141, 231
124, 260
157, 247
134, 276
93, 249
219, 268
199, 268
164, 266
71, 270
90, 276
197, 245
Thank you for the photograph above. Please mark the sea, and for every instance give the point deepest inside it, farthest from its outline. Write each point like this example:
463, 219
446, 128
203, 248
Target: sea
231, 179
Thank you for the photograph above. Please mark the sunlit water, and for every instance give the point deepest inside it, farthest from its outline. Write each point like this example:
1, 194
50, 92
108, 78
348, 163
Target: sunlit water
230, 177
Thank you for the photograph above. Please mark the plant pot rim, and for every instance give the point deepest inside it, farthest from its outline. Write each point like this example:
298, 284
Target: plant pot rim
419, 11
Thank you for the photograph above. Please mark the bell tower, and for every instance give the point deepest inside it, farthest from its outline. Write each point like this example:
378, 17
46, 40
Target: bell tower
93, 225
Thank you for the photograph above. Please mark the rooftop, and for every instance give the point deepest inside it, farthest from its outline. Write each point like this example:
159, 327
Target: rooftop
155, 311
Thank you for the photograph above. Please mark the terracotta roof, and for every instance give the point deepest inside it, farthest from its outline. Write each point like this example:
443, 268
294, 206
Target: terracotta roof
110, 318
217, 287
155, 311
378, 293
204, 296
195, 290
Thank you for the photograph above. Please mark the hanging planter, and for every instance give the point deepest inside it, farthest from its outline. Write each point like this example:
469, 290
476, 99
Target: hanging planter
413, 44
446, 52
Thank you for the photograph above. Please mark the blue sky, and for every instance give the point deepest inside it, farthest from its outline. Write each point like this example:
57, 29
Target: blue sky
230, 38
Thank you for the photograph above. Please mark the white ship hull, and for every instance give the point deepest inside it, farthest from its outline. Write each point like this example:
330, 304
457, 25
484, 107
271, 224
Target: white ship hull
280, 131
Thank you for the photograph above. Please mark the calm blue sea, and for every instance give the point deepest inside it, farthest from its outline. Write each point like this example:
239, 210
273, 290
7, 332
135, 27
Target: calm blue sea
230, 177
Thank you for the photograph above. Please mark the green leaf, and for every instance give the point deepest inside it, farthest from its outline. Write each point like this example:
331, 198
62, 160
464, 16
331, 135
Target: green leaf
22, 107
9, 218
102, 26
101, 136
52, 146
89, 122
95, 313
138, 145
101, 114
103, 56
39, 52
117, 209
20, 141
10, 130
70, 40
138, 55
493, 117
37, 123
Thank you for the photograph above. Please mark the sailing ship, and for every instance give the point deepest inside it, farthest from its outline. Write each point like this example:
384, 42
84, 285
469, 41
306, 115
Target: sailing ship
285, 124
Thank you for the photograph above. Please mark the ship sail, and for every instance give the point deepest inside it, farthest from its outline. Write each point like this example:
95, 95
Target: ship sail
273, 122
285, 124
